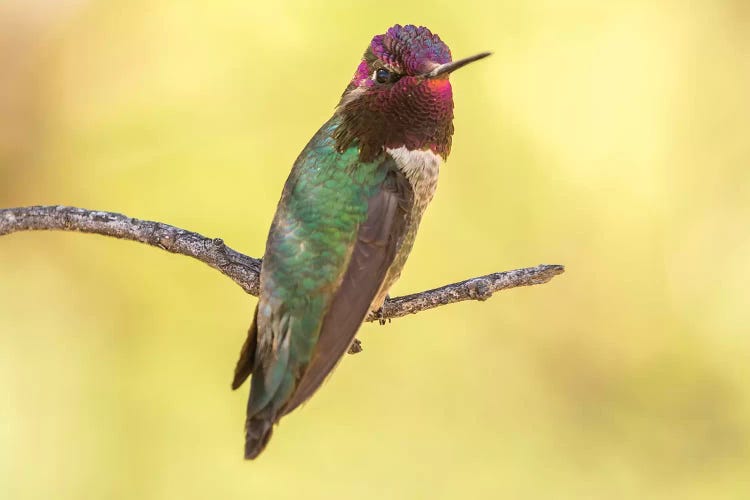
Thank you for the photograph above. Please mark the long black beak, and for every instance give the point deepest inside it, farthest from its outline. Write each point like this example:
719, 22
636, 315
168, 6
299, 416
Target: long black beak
446, 68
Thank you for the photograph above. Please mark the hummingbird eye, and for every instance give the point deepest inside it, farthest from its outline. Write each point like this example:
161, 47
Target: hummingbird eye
384, 76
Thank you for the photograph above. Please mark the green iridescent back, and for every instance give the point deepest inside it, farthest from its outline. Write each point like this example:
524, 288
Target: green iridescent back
307, 254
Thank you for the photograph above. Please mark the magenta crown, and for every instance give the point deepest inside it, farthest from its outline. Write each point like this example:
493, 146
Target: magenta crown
410, 49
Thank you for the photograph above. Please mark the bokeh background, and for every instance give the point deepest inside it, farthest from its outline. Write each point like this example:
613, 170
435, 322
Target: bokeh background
611, 137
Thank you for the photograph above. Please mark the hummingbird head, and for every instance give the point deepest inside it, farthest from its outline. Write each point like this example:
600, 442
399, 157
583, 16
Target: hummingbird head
400, 95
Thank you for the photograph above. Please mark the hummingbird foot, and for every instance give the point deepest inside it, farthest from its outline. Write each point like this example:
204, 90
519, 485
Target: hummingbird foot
380, 315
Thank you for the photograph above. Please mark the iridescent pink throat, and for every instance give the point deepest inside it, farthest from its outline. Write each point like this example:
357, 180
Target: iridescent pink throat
414, 112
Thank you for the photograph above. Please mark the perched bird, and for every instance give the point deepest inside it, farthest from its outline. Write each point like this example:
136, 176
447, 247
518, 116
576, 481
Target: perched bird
346, 221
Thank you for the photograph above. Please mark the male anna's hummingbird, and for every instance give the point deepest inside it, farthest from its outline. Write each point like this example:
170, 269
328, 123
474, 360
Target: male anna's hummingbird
346, 221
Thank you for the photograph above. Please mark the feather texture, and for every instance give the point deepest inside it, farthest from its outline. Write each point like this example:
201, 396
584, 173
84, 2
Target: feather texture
378, 241
336, 232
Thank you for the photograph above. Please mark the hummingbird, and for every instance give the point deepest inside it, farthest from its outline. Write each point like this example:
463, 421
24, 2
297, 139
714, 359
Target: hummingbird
346, 221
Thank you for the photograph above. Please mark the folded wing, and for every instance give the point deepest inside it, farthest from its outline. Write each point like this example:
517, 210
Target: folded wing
377, 243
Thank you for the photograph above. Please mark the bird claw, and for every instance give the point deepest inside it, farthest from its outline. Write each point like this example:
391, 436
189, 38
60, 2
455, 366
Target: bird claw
381, 317
379, 314
356, 345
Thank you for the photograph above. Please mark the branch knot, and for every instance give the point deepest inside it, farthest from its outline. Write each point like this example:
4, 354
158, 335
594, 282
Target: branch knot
480, 290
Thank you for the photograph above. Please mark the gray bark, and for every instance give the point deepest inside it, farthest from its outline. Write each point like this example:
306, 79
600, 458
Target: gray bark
243, 269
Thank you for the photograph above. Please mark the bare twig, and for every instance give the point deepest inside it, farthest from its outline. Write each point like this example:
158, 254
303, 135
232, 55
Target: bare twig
480, 288
245, 270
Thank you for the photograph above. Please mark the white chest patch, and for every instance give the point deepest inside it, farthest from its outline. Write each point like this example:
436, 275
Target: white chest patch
422, 169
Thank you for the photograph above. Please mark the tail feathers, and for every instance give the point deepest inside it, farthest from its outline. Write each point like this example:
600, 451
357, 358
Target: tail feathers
246, 363
258, 430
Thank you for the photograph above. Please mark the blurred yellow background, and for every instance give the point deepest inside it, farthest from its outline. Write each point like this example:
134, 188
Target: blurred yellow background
611, 137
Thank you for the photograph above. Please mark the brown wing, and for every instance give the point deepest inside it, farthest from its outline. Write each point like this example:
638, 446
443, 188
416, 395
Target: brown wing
378, 240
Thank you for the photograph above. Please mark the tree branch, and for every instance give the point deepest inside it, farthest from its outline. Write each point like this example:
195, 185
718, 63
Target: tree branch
243, 269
